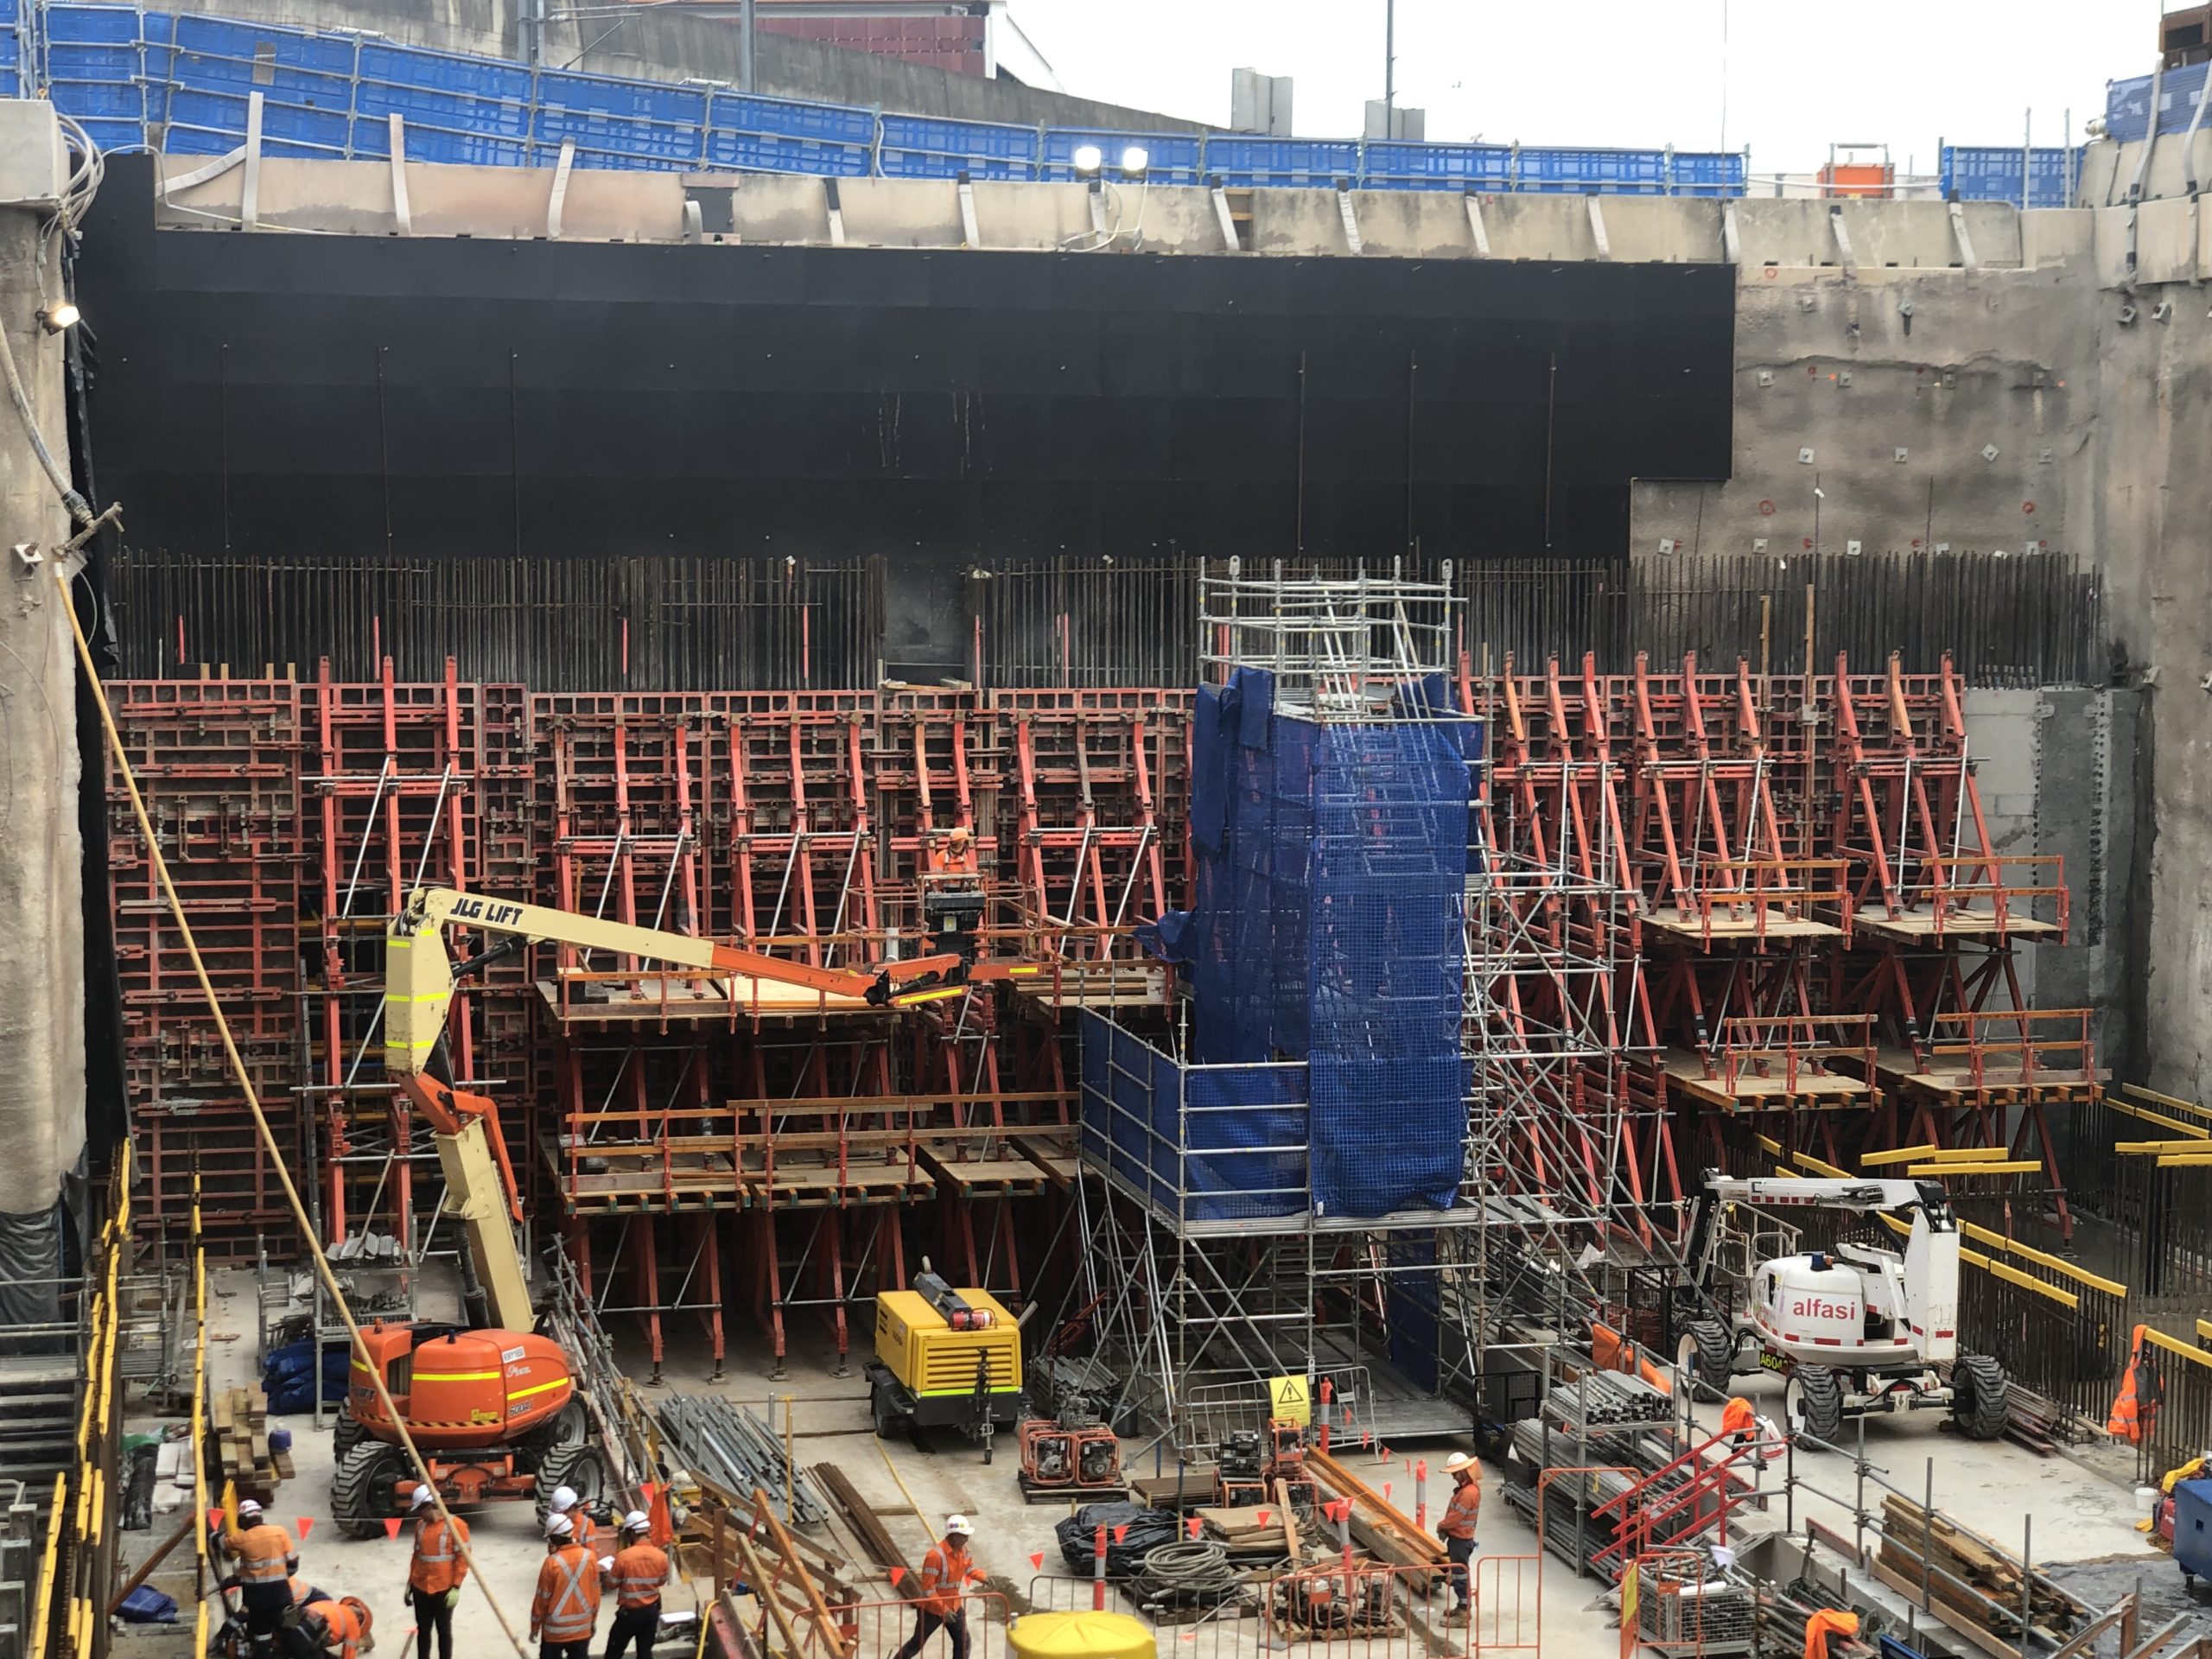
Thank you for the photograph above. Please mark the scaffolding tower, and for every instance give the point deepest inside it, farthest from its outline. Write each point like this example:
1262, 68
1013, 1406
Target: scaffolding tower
1218, 1259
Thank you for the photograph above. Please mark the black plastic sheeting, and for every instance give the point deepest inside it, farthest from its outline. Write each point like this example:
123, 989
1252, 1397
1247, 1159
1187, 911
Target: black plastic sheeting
348, 395
30, 1267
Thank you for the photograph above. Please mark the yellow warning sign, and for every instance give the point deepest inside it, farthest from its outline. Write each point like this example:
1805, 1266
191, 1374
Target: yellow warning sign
1289, 1401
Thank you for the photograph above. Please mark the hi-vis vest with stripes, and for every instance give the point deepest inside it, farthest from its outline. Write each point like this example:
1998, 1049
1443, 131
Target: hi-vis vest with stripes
567, 1607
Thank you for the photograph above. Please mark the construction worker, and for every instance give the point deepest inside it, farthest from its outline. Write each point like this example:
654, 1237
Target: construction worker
331, 1630
563, 1501
1825, 1625
1457, 1529
565, 1610
637, 1571
266, 1560
952, 854
947, 1571
435, 1572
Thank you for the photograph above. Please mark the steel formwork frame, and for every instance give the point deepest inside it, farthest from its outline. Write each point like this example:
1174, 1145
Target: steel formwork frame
1825, 934
218, 763
415, 784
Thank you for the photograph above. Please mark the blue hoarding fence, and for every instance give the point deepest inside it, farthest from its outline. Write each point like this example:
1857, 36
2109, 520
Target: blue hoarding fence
183, 83
1992, 174
2127, 102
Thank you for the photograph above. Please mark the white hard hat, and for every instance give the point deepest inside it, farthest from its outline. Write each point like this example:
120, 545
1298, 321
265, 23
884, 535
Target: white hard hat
1457, 1461
247, 1507
959, 1526
564, 1497
558, 1526
637, 1521
421, 1495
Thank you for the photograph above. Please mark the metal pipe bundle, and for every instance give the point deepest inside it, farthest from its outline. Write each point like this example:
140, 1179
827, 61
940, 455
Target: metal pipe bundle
733, 1447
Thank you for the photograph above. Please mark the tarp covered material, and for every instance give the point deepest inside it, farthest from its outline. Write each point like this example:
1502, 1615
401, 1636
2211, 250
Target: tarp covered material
30, 1267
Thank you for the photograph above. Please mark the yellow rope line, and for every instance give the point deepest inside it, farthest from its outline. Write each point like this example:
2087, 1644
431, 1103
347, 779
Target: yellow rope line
254, 1105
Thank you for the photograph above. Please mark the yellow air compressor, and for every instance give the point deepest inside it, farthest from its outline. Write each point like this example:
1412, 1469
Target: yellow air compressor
944, 1357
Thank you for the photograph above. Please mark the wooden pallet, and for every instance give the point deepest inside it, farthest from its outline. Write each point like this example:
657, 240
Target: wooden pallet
237, 1445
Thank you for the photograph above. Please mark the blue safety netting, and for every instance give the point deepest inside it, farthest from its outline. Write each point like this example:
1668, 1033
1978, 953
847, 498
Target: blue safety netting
1329, 926
1203, 1143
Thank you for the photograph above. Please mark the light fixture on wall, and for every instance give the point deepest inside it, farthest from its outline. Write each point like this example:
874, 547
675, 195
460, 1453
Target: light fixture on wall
55, 318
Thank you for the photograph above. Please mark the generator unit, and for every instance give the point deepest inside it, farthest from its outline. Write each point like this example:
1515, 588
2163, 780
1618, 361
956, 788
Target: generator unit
1060, 1461
944, 1358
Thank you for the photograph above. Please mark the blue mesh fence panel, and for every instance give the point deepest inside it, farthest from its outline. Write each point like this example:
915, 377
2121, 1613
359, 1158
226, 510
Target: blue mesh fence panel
2127, 102
1415, 1307
1244, 1128
1992, 174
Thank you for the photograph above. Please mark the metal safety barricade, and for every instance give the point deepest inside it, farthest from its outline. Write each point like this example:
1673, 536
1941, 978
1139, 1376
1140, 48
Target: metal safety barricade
1383, 1612
875, 1630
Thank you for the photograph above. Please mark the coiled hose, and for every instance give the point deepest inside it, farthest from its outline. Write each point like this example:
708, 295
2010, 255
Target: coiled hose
1189, 1570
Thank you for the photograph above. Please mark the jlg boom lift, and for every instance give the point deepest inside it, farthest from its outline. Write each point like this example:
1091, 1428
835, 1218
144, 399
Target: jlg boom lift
495, 1411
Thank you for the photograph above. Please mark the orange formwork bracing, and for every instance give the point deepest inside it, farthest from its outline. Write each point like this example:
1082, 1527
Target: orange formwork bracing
1822, 934
1720, 900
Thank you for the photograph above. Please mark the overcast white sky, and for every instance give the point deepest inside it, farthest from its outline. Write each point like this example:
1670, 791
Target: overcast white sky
1640, 73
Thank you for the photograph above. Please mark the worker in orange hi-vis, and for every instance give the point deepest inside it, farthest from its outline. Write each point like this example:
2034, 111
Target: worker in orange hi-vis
1737, 1417
337, 1630
953, 854
564, 1612
435, 1572
266, 1560
564, 1502
636, 1571
1457, 1529
1824, 1627
947, 1571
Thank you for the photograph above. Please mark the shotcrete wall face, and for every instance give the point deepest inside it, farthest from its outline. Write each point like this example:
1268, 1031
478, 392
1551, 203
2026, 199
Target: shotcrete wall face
41, 965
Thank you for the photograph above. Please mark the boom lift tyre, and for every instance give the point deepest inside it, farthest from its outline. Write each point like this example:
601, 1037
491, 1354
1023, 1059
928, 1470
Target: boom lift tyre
1708, 1352
1812, 1400
1979, 1397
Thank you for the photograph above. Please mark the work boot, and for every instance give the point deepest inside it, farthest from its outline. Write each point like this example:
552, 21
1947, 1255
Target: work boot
1457, 1616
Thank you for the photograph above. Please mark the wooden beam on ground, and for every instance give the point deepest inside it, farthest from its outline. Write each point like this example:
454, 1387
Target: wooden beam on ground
859, 1514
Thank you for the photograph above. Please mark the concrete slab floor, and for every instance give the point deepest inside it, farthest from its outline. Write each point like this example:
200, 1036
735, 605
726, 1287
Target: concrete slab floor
2077, 1515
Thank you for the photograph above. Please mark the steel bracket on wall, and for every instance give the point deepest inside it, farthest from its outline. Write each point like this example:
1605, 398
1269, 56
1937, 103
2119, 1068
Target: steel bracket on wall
1351, 219
1958, 235
402, 215
1225, 219
557, 203
1475, 223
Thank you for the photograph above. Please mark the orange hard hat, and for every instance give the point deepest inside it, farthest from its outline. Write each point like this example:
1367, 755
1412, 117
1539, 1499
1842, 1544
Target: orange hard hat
360, 1609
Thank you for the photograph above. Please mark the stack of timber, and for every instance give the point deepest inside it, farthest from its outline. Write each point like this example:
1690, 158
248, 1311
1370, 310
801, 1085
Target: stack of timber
1975, 1584
1251, 1535
1377, 1526
237, 1446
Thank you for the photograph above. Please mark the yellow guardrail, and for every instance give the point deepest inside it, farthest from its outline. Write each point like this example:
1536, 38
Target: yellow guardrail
2175, 1345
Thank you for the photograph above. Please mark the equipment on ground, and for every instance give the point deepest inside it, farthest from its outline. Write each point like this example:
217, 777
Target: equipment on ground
1856, 1329
2192, 1516
1240, 1469
944, 1357
496, 1410
1059, 1460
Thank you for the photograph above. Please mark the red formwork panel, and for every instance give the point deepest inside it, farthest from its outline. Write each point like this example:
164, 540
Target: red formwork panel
216, 763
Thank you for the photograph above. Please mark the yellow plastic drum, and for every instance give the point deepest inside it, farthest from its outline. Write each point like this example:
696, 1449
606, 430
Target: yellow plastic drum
1081, 1636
